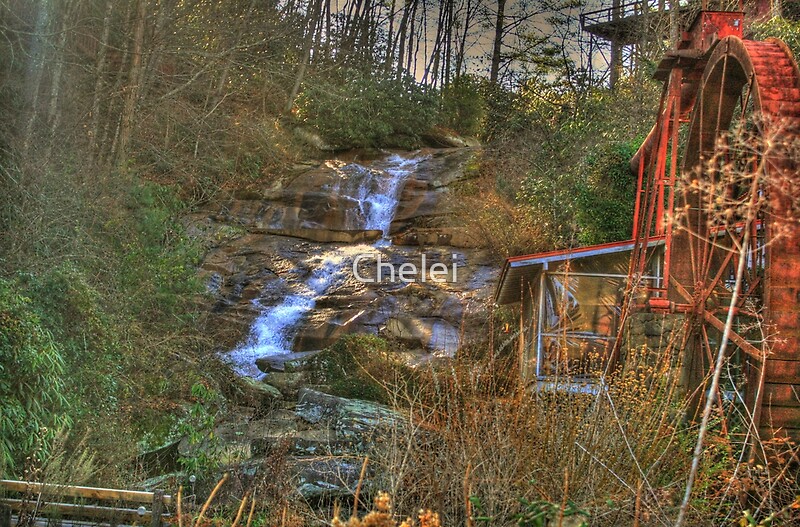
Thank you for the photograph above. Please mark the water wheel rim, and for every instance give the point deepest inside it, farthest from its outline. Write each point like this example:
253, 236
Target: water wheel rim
760, 79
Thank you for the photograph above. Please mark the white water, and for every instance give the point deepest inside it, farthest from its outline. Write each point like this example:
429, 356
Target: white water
377, 192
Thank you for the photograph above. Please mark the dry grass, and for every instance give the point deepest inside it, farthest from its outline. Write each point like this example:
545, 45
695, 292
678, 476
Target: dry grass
475, 439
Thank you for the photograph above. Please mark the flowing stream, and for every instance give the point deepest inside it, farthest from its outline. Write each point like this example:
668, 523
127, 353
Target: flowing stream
376, 191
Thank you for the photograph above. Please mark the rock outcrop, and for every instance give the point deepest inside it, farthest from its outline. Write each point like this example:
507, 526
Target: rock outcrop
270, 245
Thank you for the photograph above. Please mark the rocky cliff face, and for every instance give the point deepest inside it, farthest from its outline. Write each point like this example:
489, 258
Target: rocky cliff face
282, 272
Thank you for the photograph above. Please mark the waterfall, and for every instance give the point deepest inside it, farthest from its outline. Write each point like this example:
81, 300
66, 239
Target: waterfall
376, 190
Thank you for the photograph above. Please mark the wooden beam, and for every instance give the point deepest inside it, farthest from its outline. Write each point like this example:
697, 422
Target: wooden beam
133, 496
45, 522
76, 510
737, 339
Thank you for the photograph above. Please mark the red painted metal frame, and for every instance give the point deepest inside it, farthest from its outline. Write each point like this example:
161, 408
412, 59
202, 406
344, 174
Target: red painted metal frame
699, 73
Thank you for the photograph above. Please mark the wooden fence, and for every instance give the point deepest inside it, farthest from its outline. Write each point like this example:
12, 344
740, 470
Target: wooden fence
67, 506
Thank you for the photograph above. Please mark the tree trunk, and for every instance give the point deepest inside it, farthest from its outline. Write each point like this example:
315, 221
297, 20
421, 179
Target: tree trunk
461, 50
390, 36
674, 22
33, 78
99, 71
498, 41
59, 58
231, 53
411, 33
134, 78
402, 34
311, 21
616, 50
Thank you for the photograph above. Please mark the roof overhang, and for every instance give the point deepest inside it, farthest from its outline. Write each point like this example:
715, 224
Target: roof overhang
520, 270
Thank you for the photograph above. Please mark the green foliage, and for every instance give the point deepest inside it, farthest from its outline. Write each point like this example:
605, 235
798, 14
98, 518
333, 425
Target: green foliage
110, 281
364, 110
463, 106
198, 428
357, 366
158, 258
33, 406
786, 30
477, 507
72, 310
576, 183
541, 513
504, 115
605, 197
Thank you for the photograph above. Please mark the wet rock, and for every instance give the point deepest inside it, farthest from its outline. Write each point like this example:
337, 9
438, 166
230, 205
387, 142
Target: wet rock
325, 327
351, 419
327, 235
327, 477
437, 236
433, 334
290, 362
298, 228
214, 283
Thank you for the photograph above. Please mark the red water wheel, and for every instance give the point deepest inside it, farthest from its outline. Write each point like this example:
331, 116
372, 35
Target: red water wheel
734, 245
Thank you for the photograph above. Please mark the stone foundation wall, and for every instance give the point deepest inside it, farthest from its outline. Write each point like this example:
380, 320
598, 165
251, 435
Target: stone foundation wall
653, 330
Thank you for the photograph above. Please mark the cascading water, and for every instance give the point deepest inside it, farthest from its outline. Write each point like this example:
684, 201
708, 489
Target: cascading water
376, 191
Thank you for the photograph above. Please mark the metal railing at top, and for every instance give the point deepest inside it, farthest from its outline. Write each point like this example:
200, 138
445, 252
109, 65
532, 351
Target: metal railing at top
638, 7
623, 10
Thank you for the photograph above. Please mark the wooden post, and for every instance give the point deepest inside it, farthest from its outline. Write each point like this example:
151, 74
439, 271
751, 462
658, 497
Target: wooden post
5, 516
158, 507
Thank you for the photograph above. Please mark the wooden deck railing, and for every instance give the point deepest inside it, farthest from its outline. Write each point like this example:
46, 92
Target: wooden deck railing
80, 504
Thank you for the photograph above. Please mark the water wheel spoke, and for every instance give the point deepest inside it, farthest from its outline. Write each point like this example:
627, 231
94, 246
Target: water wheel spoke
680, 289
737, 339
707, 344
724, 266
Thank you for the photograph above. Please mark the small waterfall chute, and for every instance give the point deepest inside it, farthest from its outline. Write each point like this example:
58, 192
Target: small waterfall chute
376, 190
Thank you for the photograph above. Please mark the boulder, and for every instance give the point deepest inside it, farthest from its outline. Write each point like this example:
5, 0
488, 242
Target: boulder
288, 383
160, 460
326, 327
327, 477
431, 333
286, 362
326, 235
351, 419
261, 390
446, 236
442, 138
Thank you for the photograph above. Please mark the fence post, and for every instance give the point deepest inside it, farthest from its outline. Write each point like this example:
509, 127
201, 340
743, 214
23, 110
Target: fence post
158, 507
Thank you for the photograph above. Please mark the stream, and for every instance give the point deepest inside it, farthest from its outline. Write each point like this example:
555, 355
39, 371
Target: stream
287, 286
375, 191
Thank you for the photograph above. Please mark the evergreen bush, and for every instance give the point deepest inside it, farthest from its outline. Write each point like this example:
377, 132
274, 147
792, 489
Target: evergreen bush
363, 110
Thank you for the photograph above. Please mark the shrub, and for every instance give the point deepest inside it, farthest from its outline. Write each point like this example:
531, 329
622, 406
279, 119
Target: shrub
364, 110
478, 437
463, 106
32, 401
605, 195
358, 366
